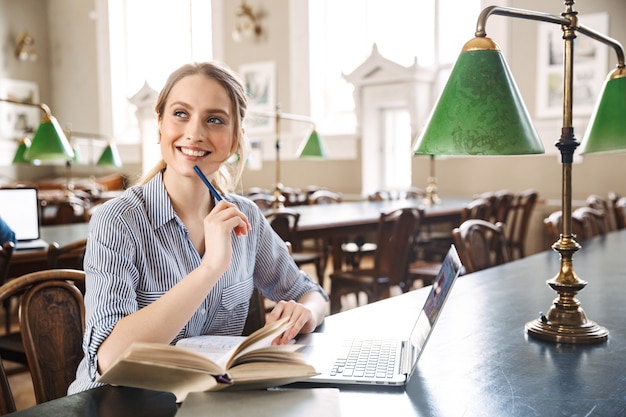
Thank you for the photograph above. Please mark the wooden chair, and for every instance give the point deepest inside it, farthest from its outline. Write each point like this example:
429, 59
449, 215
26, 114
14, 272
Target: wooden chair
67, 256
324, 197
501, 203
285, 223
592, 220
433, 245
262, 200
518, 222
7, 403
554, 227
602, 205
619, 208
71, 210
412, 193
481, 244
394, 239
256, 313
6, 253
380, 195
52, 323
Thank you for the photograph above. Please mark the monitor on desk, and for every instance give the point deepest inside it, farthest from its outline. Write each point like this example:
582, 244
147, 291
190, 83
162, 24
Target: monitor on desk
19, 208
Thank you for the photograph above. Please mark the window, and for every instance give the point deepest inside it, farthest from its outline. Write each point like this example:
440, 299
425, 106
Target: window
342, 33
148, 40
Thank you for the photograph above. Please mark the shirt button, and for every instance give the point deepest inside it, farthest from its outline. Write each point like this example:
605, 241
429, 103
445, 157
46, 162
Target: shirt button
203, 311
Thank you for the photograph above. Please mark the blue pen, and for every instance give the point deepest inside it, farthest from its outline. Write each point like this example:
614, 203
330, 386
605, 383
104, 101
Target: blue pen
206, 181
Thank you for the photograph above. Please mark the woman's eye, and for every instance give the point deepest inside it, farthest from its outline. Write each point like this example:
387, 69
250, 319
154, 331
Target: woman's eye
215, 120
180, 113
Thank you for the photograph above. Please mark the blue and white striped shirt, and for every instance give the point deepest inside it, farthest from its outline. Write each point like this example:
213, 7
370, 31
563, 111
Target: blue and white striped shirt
138, 248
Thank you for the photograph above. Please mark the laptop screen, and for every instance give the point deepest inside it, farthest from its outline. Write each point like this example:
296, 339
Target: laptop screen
449, 271
19, 208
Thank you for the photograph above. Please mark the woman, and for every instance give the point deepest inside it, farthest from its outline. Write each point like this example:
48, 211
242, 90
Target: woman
165, 261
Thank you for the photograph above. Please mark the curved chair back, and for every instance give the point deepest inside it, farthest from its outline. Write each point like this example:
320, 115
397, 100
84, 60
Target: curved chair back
52, 323
481, 244
519, 221
6, 253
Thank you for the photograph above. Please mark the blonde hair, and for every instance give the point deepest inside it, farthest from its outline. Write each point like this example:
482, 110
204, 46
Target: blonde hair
229, 174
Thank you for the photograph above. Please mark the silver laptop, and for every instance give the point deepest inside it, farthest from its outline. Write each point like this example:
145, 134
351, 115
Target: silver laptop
370, 359
19, 208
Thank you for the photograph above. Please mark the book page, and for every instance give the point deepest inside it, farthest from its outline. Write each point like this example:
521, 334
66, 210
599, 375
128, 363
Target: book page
214, 347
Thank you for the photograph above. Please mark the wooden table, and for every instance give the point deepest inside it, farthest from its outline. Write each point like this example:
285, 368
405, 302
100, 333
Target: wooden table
26, 261
338, 221
479, 361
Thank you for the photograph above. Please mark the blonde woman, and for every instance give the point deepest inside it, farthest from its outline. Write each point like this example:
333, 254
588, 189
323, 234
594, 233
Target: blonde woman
165, 260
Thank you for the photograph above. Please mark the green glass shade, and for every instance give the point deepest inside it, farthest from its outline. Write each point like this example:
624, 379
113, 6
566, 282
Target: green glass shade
110, 157
480, 112
607, 127
49, 143
19, 157
312, 147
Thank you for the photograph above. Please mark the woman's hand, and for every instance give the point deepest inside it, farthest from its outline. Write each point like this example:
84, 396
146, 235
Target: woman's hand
218, 226
305, 315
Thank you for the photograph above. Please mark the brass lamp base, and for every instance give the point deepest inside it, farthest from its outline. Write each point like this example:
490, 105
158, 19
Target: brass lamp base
431, 193
587, 332
566, 321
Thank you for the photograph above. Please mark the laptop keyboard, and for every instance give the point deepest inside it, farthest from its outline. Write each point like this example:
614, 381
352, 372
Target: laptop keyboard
369, 358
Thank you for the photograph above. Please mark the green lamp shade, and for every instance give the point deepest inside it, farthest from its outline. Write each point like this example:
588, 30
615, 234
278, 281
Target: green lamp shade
480, 112
607, 127
110, 157
312, 147
49, 143
19, 157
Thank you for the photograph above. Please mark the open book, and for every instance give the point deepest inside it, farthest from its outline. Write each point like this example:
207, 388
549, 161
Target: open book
192, 366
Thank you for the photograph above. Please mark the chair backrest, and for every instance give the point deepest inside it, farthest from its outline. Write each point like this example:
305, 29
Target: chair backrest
380, 195
518, 222
7, 403
67, 256
478, 208
262, 200
394, 243
6, 253
72, 210
602, 205
554, 227
593, 221
324, 197
284, 221
412, 193
481, 244
52, 323
619, 208
256, 313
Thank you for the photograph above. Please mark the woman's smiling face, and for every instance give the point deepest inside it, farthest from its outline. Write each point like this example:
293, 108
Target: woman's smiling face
196, 127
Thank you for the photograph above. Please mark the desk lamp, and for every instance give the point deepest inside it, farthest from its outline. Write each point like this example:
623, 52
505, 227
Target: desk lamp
19, 157
49, 142
311, 148
432, 197
110, 157
480, 112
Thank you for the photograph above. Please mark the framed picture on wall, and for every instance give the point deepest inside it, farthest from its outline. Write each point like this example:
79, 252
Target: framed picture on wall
260, 82
17, 121
590, 67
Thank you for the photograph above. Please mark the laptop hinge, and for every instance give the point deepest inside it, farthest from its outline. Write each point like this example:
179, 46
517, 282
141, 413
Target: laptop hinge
407, 357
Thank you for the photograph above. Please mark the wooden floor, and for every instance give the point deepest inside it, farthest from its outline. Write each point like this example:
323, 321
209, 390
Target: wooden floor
21, 385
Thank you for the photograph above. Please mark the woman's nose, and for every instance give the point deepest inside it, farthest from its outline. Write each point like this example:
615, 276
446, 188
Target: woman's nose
195, 130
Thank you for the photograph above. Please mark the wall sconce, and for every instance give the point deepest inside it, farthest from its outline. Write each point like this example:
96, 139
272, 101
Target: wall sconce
480, 112
25, 50
247, 23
